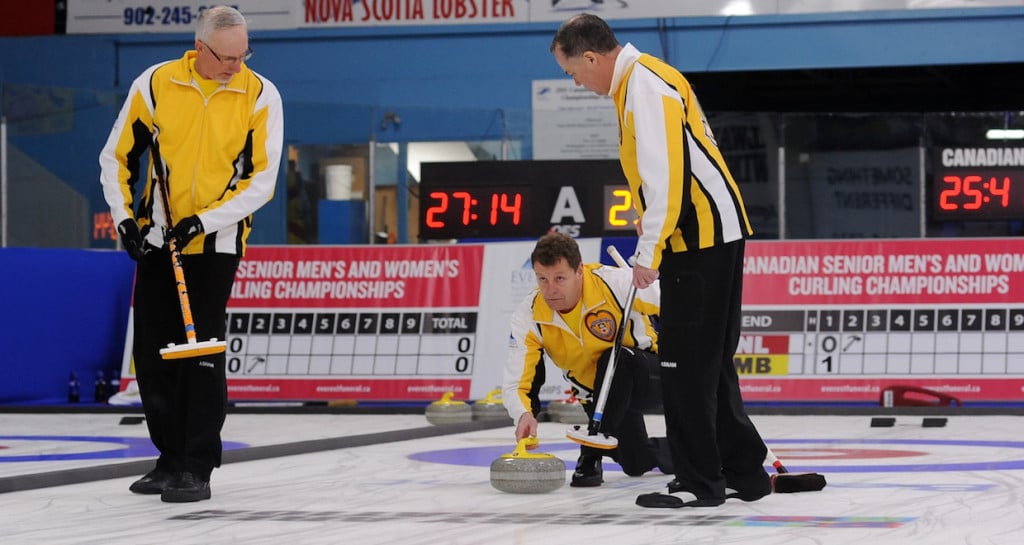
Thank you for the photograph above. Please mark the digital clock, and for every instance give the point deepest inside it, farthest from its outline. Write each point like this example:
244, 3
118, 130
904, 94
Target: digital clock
523, 199
977, 184
480, 211
981, 194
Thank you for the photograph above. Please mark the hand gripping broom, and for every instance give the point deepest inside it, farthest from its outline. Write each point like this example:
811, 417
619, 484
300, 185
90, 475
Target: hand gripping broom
192, 347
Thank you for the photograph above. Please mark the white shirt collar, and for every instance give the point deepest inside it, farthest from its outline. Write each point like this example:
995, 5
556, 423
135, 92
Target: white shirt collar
626, 58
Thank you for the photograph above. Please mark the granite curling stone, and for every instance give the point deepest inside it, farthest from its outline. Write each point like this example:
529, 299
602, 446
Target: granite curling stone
448, 411
490, 408
522, 472
568, 411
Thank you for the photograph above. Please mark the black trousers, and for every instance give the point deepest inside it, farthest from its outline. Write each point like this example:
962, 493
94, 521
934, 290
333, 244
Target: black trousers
634, 391
184, 400
713, 441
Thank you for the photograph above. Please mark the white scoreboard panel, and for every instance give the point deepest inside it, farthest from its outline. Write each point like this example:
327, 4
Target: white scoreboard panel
823, 320
354, 322
387, 323
311, 342
878, 341
841, 320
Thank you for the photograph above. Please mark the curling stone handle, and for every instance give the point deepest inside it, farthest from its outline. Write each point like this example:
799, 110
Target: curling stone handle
494, 396
526, 443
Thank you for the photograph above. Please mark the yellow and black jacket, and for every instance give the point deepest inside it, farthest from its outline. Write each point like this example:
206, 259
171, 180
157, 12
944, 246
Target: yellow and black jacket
538, 331
219, 153
684, 193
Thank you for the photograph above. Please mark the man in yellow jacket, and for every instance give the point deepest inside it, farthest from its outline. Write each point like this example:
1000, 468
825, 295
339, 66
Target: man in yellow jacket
692, 231
572, 318
212, 130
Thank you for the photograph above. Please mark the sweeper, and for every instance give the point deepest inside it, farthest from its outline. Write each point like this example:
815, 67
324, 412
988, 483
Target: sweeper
591, 436
573, 318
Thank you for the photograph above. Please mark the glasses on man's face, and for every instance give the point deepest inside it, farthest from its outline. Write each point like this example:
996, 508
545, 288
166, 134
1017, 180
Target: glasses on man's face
228, 60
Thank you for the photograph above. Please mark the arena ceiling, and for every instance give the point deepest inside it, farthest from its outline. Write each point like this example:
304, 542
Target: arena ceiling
947, 88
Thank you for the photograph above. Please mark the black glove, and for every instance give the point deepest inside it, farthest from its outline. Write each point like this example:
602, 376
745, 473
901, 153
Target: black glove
131, 238
185, 231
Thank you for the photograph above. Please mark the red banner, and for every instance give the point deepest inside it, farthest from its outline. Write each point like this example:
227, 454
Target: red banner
883, 271
359, 276
840, 321
822, 321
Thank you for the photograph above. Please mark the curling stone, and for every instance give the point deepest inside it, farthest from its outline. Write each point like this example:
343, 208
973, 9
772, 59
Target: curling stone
568, 411
448, 411
522, 472
490, 408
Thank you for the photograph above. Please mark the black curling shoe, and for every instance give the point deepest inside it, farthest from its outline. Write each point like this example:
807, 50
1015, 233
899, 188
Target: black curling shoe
187, 487
153, 482
588, 472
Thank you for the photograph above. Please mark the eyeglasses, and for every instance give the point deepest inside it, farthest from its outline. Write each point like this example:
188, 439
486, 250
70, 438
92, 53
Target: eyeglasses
229, 60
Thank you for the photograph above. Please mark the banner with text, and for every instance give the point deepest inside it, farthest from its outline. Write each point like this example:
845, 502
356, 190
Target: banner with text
146, 16
844, 320
823, 321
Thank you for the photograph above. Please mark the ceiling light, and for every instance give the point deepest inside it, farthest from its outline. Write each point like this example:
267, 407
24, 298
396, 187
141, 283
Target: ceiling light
1005, 134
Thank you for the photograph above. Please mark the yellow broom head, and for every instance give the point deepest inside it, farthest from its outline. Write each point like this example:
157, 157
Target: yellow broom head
194, 349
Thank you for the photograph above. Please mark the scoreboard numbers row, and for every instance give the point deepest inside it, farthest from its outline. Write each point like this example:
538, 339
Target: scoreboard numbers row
351, 343
872, 341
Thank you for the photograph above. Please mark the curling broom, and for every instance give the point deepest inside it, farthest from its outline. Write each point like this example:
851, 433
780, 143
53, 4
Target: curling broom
784, 482
192, 347
592, 436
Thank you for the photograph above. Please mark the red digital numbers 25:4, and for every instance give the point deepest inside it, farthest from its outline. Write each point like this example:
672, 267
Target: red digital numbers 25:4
972, 192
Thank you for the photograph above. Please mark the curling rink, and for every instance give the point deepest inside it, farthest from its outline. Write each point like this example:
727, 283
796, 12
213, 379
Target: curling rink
352, 478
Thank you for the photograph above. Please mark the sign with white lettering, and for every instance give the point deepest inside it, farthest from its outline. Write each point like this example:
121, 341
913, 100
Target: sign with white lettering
146, 16
363, 322
388, 323
841, 320
822, 320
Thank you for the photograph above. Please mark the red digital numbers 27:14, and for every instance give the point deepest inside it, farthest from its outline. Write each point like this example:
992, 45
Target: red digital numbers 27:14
469, 209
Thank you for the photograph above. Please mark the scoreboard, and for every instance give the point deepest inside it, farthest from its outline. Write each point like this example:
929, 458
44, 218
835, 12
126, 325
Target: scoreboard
524, 199
822, 320
839, 320
878, 341
977, 184
385, 323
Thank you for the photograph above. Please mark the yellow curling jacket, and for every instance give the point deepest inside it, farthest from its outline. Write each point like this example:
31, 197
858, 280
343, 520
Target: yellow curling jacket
682, 189
538, 331
219, 153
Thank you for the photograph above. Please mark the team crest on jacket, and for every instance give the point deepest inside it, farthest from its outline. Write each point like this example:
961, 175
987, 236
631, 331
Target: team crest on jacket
601, 324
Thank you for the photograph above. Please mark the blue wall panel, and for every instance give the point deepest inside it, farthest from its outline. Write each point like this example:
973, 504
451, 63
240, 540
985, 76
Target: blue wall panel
63, 311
